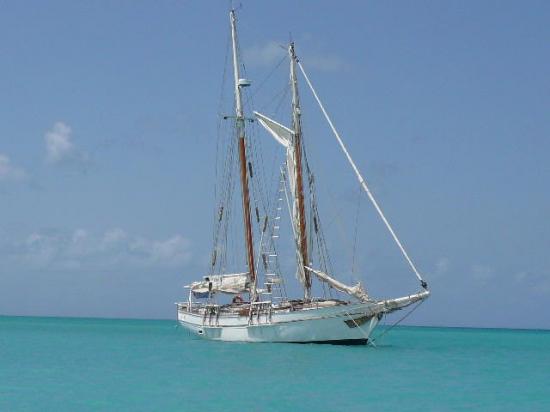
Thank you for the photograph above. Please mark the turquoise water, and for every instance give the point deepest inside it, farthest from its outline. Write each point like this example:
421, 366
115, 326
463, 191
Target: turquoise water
60, 364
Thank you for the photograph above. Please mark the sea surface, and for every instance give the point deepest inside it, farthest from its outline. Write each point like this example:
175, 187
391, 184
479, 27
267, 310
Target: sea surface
67, 364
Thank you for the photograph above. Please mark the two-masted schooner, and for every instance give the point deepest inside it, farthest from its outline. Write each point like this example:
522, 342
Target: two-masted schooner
259, 311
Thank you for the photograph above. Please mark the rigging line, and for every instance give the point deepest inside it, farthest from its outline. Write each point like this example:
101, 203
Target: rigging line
353, 266
322, 249
281, 96
256, 152
362, 181
222, 91
321, 243
224, 195
264, 81
264, 186
340, 228
228, 241
218, 141
228, 229
357, 326
227, 184
326, 256
398, 322
259, 181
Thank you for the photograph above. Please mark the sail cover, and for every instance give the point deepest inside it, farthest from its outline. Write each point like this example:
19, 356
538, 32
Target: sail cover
356, 290
232, 284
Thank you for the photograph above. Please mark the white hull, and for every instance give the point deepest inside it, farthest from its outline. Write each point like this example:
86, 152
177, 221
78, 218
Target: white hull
311, 325
338, 323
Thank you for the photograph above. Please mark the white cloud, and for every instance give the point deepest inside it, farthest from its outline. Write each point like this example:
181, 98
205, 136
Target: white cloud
114, 236
483, 273
100, 251
173, 251
10, 172
266, 55
272, 52
58, 143
536, 281
442, 266
79, 235
325, 63
39, 248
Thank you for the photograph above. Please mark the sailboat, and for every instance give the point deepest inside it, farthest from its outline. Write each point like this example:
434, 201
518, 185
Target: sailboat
258, 309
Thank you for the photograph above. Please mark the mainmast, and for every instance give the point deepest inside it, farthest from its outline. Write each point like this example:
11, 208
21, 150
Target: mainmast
298, 175
240, 121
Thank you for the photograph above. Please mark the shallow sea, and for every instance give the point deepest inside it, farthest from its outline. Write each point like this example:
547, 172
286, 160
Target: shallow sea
65, 364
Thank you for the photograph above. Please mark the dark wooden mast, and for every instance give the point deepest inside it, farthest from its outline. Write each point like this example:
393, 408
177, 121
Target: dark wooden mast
240, 122
299, 185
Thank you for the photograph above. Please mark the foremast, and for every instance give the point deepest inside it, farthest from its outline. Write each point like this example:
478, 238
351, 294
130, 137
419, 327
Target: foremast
240, 127
300, 213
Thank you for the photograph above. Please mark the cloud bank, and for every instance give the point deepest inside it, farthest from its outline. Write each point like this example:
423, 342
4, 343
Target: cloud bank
81, 249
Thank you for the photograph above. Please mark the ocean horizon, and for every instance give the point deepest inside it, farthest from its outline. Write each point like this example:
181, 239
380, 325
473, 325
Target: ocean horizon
382, 325
54, 363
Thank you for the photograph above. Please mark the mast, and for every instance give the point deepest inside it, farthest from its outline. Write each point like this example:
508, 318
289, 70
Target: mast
298, 175
239, 121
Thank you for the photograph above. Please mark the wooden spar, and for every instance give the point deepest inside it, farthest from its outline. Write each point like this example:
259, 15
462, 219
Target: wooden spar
246, 212
297, 146
243, 162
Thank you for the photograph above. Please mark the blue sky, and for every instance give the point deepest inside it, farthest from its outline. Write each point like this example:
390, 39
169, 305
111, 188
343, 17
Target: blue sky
109, 115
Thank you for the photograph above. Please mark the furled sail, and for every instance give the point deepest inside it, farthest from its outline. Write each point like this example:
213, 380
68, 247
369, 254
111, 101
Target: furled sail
232, 284
284, 136
356, 290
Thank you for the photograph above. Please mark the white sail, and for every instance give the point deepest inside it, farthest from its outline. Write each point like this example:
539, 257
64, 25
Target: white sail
356, 291
280, 133
232, 284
